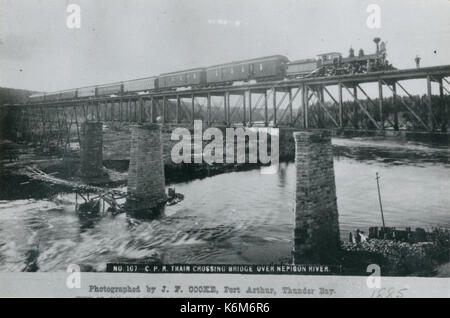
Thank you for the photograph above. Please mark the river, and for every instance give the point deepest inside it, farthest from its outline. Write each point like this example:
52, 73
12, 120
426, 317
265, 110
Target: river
239, 217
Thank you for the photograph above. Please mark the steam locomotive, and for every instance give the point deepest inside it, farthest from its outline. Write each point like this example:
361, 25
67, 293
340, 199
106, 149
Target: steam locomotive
334, 64
275, 67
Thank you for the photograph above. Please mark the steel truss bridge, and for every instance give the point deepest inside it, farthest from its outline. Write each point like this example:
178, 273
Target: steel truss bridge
298, 103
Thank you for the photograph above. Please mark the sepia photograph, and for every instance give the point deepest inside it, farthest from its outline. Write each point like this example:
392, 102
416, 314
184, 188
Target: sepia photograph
225, 148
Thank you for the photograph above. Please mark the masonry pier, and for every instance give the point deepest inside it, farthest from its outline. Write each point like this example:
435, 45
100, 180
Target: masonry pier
146, 180
316, 233
91, 150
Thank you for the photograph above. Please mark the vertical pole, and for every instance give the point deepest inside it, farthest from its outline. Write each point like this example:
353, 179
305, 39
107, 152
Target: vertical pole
244, 117
84, 110
43, 124
141, 110
441, 96
152, 111
125, 110
120, 110
355, 108
164, 109
177, 110
226, 106
147, 110
108, 106
114, 111
91, 109
291, 114
430, 109
321, 112
341, 121
97, 107
111, 110
102, 110
380, 102
192, 108
105, 111
394, 105
58, 120
208, 106
250, 108
379, 199
113, 107
76, 123
274, 99
305, 107
301, 109
266, 111
129, 110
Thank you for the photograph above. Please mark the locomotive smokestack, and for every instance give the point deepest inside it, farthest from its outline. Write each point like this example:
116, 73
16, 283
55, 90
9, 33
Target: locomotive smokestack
377, 41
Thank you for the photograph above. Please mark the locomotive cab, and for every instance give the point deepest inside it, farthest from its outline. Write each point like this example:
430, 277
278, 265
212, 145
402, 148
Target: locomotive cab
329, 58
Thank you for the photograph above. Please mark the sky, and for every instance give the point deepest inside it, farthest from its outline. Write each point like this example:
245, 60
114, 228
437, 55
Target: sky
126, 39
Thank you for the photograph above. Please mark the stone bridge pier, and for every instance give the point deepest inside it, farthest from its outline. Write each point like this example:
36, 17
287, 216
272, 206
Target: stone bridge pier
146, 180
91, 150
316, 234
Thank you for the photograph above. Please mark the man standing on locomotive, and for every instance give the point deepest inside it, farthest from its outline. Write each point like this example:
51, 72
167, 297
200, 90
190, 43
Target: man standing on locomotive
417, 60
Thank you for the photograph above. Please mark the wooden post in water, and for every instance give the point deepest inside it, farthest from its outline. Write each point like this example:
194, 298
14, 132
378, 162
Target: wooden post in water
379, 199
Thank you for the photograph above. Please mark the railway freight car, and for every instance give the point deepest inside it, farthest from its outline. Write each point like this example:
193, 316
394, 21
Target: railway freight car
52, 96
194, 77
88, 91
139, 85
38, 97
301, 67
68, 94
230, 72
110, 89
270, 67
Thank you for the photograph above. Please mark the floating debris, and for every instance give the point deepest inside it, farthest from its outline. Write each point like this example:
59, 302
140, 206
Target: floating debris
173, 197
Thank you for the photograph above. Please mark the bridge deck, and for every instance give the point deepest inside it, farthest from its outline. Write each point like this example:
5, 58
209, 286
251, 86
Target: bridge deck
436, 72
306, 95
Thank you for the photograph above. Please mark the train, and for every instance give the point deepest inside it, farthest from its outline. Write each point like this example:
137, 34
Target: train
268, 68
